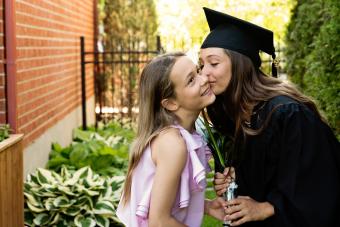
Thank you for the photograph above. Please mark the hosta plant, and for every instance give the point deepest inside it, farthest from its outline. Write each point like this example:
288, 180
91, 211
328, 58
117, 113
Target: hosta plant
104, 149
72, 198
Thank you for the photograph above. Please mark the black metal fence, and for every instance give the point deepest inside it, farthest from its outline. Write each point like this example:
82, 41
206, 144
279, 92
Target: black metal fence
116, 74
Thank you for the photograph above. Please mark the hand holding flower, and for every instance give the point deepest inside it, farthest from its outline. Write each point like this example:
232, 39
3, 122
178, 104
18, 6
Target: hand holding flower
222, 181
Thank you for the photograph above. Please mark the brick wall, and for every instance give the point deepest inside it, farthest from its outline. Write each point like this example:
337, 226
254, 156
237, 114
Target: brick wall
48, 61
2, 69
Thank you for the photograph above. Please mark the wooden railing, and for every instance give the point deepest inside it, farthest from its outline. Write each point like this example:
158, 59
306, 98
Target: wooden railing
11, 182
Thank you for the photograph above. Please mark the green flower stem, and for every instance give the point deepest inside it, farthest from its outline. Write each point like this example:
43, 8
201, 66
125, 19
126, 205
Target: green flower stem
207, 126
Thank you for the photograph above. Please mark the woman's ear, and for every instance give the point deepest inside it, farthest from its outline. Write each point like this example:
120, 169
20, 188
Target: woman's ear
170, 104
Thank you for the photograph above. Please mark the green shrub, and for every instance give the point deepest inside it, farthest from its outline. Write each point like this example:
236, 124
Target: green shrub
72, 198
104, 150
313, 54
4, 131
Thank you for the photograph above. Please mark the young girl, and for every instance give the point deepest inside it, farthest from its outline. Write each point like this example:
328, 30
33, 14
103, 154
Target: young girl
165, 182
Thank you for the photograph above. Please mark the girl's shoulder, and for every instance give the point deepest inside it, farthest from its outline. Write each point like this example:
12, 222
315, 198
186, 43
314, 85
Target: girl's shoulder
168, 143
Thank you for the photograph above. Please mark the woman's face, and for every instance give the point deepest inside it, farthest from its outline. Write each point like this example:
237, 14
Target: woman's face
192, 90
216, 65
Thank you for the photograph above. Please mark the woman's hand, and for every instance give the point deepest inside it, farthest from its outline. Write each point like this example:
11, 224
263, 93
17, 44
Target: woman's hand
215, 208
244, 209
222, 181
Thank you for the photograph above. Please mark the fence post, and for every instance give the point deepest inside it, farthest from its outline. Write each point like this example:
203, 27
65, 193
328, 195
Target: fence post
83, 87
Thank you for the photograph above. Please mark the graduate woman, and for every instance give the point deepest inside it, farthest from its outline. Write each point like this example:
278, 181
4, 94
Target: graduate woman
165, 182
286, 157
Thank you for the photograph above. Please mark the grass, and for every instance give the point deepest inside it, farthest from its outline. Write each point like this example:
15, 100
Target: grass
210, 194
207, 220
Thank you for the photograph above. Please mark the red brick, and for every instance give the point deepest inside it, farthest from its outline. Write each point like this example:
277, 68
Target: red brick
2, 117
48, 61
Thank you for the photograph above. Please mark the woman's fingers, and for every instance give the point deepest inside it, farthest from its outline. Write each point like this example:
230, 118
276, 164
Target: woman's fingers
230, 172
233, 209
220, 189
240, 221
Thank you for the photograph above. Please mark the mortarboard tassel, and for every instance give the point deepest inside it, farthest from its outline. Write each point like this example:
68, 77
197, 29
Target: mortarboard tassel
275, 64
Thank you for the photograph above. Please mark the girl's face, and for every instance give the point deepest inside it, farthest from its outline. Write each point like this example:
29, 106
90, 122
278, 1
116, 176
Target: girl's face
192, 89
216, 65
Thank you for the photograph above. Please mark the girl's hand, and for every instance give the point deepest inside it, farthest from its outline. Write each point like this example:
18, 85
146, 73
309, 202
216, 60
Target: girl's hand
215, 208
244, 209
222, 181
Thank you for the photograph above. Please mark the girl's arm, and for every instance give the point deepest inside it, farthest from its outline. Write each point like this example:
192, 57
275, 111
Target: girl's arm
169, 154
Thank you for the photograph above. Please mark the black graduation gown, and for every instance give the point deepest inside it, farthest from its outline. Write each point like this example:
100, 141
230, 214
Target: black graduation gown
294, 164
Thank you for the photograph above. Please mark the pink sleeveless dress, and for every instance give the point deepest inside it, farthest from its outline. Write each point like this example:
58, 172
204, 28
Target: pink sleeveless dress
189, 204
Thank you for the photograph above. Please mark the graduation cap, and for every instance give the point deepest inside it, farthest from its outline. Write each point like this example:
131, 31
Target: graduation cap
232, 33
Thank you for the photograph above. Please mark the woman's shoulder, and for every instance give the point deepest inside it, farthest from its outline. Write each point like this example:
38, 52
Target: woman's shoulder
284, 104
282, 100
280, 109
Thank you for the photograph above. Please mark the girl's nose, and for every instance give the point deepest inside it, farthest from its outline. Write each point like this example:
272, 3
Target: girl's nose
204, 78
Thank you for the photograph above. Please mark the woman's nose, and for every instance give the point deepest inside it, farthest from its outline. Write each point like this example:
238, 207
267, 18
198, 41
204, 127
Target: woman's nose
205, 71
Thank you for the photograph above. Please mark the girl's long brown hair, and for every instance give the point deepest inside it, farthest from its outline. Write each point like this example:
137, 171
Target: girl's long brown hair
248, 87
154, 86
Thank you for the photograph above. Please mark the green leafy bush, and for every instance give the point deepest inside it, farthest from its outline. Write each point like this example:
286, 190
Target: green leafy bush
72, 198
104, 150
4, 131
313, 54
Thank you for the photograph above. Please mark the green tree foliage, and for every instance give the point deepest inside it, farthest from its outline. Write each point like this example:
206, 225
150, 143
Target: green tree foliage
183, 24
313, 54
123, 20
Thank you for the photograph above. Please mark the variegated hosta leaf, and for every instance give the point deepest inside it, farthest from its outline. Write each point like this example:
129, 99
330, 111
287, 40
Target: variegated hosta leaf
32, 200
45, 176
57, 177
65, 174
91, 184
55, 219
102, 221
81, 173
64, 223
105, 208
72, 211
35, 209
107, 192
41, 219
81, 221
44, 192
49, 204
28, 217
66, 190
62, 201
82, 189
36, 191
84, 200
32, 179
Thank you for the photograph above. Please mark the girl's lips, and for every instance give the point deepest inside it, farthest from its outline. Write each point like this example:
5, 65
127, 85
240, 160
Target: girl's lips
207, 92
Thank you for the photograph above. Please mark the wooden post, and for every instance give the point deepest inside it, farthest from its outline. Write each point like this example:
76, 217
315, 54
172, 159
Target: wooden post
11, 182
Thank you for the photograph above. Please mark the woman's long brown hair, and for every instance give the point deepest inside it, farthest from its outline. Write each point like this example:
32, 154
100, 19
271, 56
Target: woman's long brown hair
154, 86
248, 87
